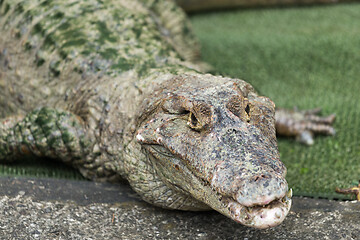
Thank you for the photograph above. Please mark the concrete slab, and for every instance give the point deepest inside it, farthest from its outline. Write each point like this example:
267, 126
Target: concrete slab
65, 209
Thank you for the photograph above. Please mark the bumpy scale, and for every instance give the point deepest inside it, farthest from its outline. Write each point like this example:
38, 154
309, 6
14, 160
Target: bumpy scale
113, 88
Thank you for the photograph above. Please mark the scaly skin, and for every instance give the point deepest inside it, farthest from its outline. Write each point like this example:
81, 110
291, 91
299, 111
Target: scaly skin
113, 88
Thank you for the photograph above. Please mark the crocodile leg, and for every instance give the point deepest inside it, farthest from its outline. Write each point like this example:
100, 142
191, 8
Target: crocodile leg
44, 133
54, 134
352, 190
303, 125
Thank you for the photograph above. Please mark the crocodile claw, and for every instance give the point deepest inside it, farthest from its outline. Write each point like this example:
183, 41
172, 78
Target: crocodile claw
303, 125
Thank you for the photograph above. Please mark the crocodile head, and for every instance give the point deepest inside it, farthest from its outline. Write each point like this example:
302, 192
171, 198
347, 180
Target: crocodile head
214, 138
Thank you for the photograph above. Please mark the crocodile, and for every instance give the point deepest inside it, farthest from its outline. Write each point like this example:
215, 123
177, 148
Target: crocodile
116, 90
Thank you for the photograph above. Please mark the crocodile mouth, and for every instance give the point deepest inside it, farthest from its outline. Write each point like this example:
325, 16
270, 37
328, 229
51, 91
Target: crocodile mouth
261, 216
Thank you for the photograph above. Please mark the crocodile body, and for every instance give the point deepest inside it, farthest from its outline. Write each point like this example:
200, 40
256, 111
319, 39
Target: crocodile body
115, 89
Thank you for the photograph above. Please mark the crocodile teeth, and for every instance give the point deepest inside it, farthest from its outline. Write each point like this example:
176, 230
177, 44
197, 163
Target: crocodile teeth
287, 196
289, 193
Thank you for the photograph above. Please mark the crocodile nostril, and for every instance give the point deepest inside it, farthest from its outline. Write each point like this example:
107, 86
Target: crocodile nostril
232, 131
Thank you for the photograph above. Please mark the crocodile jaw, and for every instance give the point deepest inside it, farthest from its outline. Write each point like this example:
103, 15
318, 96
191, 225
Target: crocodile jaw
262, 212
261, 217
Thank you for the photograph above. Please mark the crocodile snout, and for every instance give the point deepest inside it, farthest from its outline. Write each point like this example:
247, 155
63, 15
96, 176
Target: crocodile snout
249, 170
261, 190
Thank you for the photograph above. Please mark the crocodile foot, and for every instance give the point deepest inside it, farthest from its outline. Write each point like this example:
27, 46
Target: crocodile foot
303, 125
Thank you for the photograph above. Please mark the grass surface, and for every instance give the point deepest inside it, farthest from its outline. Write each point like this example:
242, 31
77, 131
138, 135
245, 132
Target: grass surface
305, 57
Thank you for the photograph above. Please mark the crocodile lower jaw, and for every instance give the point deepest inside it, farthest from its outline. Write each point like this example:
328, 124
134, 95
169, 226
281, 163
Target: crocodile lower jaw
265, 216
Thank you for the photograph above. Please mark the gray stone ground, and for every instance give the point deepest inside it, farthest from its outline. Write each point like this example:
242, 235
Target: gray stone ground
63, 209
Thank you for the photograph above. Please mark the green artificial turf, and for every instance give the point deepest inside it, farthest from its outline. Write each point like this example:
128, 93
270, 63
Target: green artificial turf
305, 57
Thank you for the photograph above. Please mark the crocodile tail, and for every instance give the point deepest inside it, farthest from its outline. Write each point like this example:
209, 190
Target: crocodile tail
177, 30
205, 5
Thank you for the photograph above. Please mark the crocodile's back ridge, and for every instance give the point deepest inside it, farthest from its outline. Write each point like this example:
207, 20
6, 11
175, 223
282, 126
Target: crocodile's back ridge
53, 46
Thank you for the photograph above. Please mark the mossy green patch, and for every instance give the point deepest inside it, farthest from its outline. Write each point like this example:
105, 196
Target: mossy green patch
305, 57
105, 33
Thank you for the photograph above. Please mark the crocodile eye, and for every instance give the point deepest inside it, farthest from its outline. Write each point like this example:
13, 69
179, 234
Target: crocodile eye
240, 107
193, 122
247, 109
